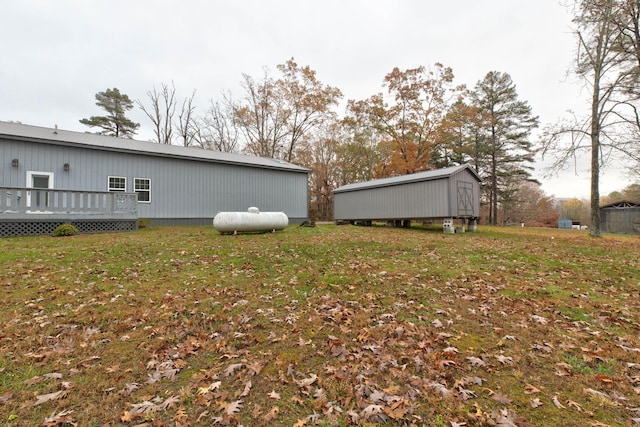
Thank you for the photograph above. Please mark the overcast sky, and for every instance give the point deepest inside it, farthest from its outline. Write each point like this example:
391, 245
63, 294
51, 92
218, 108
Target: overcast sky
58, 54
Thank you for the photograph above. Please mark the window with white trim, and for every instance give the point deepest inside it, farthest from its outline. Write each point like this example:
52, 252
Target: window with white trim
117, 183
142, 186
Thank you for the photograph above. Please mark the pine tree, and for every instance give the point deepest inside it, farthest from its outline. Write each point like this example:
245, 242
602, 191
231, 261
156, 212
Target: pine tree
507, 149
115, 123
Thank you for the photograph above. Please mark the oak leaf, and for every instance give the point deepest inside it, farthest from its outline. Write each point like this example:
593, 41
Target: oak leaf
575, 405
61, 418
446, 363
476, 361
170, 402
274, 395
305, 382
536, 403
397, 410
272, 414
247, 389
505, 360
529, 389
501, 398
44, 398
143, 408
371, 410
233, 407
232, 369
556, 402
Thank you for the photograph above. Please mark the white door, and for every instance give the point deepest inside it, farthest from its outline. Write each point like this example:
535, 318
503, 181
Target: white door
38, 198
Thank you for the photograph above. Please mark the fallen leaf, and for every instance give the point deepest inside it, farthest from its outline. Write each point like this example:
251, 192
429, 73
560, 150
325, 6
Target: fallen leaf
143, 408
232, 369
61, 418
575, 405
505, 360
397, 410
126, 417
274, 395
529, 389
557, 403
53, 375
255, 367
476, 361
536, 403
247, 389
609, 381
170, 402
501, 398
233, 407
44, 398
446, 363
307, 381
371, 410
272, 414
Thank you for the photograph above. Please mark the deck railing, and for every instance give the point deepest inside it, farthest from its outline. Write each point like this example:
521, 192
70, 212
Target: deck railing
18, 202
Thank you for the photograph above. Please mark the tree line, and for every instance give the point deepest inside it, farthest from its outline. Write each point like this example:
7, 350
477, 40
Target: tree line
420, 120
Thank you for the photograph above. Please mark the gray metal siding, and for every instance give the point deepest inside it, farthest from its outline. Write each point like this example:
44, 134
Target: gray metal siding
434, 197
620, 220
429, 199
180, 188
466, 178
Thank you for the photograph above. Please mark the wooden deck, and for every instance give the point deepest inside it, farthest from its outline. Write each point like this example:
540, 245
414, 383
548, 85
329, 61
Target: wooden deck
29, 211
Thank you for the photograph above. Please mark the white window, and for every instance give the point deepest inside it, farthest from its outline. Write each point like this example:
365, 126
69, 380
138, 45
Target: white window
117, 183
142, 186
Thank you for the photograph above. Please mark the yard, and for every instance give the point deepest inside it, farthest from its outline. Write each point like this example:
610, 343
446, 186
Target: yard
333, 325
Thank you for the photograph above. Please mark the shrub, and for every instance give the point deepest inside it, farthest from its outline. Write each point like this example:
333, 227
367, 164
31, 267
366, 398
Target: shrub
144, 222
65, 230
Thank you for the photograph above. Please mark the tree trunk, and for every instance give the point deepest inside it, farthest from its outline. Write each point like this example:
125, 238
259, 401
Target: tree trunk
594, 230
493, 203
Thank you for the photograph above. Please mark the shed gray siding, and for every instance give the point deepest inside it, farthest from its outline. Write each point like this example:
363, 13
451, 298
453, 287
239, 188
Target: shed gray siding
620, 218
426, 195
185, 188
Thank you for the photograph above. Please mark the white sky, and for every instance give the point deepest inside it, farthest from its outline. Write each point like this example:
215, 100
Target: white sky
58, 54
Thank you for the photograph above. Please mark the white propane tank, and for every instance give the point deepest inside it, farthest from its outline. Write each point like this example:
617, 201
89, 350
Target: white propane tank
252, 220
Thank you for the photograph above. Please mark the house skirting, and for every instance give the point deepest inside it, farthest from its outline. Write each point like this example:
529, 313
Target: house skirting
33, 227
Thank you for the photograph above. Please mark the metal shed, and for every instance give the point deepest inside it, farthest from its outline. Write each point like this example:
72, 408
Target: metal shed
620, 218
448, 193
76, 172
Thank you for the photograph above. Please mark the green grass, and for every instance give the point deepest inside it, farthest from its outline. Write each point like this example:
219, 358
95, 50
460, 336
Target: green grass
428, 328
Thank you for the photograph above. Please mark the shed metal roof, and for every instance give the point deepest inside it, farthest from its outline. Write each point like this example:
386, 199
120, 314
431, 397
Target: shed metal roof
404, 179
623, 204
18, 131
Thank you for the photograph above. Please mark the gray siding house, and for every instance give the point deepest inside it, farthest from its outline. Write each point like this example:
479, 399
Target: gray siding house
452, 192
169, 184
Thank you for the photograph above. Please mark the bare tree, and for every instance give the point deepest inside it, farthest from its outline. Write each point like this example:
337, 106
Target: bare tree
218, 129
602, 63
163, 107
187, 121
261, 117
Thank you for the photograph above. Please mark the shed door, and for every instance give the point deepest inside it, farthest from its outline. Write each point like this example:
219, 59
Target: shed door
465, 199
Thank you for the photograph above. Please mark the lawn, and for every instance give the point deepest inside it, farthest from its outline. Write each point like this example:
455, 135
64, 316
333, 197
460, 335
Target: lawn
333, 325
